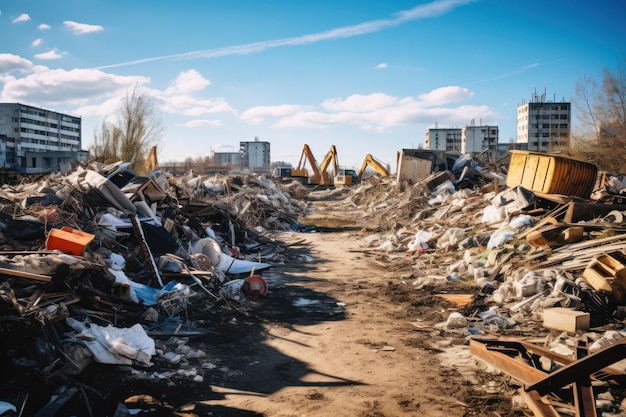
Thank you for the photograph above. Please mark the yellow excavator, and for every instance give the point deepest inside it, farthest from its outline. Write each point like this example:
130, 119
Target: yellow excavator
301, 173
370, 161
324, 177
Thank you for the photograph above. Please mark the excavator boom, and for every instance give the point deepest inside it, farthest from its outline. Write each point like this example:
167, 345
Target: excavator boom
331, 156
301, 170
375, 164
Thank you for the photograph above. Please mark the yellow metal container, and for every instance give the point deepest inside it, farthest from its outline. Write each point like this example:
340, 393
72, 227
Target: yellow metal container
551, 174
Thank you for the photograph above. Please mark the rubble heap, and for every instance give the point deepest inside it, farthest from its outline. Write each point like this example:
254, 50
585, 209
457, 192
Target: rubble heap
102, 266
520, 261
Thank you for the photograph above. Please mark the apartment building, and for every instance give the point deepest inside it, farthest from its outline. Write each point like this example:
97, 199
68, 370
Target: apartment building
34, 140
232, 159
544, 125
252, 156
255, 155
478, 138
448, 140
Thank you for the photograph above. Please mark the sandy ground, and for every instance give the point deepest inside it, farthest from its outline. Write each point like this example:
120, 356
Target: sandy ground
343, 336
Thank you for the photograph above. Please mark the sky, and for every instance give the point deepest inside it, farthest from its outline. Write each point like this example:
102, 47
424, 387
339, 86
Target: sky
368, 77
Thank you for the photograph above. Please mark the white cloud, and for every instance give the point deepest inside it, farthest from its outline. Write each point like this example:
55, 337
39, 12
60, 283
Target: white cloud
77, 87
21, 18
432, 9
359, 103
256, 115
202, 123
10, 63
108, 108
89, 92
445, 95
377, 112
424, 11
50, 55
81, 28
36, 42
509, 74
178, 99
187, 82
43, 26
382, 65
191, 106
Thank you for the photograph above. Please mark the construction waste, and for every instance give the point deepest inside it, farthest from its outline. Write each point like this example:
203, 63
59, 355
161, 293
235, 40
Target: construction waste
104, 267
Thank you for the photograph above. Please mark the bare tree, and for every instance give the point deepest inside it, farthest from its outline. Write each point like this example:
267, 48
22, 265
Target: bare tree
139, 128
106, 143
601, 111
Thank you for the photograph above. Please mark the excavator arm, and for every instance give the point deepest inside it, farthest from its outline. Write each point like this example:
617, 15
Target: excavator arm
301, 171
375, 164
331, 156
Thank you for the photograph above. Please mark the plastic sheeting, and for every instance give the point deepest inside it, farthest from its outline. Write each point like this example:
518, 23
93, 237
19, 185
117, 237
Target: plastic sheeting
223, 262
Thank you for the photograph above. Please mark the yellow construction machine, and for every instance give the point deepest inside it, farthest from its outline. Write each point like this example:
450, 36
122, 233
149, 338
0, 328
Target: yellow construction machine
370, 161
301, 173
324, 178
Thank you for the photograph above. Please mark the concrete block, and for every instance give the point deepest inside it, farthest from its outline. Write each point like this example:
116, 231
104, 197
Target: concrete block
565, 319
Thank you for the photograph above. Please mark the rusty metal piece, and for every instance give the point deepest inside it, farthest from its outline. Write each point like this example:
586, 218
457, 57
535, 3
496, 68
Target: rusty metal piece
521, 361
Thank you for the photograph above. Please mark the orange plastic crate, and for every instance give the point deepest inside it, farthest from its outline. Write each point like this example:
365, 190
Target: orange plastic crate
68, 240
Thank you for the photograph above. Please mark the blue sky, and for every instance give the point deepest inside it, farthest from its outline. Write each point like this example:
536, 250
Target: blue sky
367, 77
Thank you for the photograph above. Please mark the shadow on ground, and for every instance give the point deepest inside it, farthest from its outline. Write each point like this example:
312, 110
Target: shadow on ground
238, 360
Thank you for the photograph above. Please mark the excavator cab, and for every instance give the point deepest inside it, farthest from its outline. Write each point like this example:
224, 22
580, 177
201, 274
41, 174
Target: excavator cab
346, 177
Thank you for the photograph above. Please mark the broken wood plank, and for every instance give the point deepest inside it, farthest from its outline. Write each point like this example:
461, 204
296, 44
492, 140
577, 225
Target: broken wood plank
27, 275
586, 366
460, 300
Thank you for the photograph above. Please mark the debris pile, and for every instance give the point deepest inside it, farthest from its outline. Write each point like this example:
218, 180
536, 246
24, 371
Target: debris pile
530, 262
102, 266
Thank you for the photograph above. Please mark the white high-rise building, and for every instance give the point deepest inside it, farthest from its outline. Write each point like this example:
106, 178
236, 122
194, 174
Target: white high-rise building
544, 125
448, 140
255, 155
479, 138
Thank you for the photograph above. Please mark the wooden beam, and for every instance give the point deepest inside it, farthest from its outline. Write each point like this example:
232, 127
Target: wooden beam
513, 367
27, 275
581, 368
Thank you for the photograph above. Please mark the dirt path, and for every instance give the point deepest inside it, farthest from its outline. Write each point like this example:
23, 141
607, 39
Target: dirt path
336, 344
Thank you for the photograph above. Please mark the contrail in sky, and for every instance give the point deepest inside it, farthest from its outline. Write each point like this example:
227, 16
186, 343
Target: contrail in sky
423, 11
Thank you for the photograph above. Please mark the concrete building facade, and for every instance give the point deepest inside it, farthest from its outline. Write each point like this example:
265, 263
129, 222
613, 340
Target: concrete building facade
479, 138
256, 155
232, 159
34, 140
448, 140
544, 125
